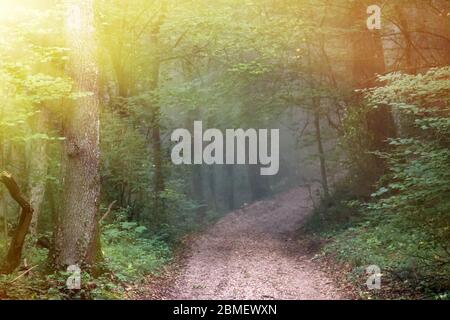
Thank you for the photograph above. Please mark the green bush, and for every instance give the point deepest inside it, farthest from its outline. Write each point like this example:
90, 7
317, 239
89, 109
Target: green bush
130, 252
404, 227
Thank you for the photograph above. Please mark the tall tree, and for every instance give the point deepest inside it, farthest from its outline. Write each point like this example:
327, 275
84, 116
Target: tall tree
76, 234
366, 63
368, 60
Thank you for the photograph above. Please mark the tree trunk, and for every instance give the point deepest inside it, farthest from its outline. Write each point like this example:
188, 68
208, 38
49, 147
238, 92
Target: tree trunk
199, 194
316, 106
38, 169
14, 254
3, 200
4, 210
367, 62
320, 149
76, 234
229, 185
159, 183
212, 187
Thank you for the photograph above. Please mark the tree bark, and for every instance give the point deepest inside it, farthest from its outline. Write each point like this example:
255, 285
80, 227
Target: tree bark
316, 110
4, 210
14, 254
320, 149
3, 200
368, 61
159, 183
76, 234
38, 169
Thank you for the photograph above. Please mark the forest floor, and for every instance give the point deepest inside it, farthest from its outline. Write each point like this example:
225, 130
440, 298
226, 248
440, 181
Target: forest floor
251, 253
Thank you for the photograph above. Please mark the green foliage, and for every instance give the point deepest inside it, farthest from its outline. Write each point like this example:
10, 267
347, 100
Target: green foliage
356, 142
405, 227
130, 252
42, 286
416, 188
334, 215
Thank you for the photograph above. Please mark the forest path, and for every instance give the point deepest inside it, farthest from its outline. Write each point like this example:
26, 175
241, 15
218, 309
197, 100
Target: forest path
250, 254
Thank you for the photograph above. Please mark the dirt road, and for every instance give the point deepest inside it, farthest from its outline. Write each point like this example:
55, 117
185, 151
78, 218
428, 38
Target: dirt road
250, 254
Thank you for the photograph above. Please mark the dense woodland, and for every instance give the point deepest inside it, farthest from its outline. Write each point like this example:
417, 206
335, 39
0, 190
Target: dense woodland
91, 91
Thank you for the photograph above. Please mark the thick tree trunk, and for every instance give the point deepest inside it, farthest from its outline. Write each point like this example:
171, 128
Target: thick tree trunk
76, 234
38, 169
15, 249
367, 62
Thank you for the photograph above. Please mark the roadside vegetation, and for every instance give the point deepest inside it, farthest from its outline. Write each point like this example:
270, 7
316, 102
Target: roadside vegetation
403, 226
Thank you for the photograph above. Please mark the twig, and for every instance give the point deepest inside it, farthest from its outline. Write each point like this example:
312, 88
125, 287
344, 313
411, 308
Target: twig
22, 274
111, 205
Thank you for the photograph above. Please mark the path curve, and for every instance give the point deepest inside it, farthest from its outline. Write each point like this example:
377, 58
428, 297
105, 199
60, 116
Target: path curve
250, 254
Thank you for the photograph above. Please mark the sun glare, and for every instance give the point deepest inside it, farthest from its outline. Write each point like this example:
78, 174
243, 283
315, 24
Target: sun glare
5, 8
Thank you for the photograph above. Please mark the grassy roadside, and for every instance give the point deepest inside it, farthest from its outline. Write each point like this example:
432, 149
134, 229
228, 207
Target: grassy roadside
348, 239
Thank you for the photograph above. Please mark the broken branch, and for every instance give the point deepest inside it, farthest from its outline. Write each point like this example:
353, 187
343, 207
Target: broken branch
15, 249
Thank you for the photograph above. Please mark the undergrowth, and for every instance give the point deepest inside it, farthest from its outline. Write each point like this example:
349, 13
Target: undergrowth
130, 253
354, 237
